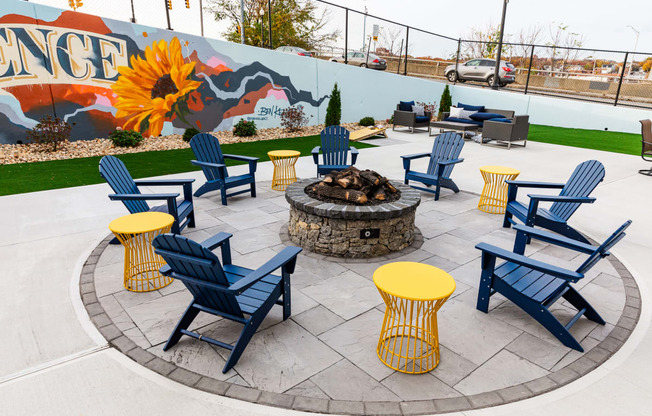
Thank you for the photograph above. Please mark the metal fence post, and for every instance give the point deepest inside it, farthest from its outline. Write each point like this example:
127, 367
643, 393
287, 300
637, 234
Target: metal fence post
398, 61
201, 16
529, 69
346, 36
620, 81
407, 36
133, 12
167, 13
457, 58
269, 14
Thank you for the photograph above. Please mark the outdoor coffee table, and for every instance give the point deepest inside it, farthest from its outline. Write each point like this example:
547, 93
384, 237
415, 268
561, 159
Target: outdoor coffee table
413, 293
494, 194
451, 126
136, 233
284, 173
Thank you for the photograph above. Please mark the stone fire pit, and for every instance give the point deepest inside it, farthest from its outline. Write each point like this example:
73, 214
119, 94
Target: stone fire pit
351, 231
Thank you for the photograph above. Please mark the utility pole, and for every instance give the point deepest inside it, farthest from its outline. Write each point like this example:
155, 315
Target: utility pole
500, 48
242, 34
269, 11
364, 29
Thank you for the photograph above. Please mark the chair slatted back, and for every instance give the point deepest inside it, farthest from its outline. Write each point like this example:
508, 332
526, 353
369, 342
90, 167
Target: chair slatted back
189, 258
207, 148
646, 134
447, 146
117, 176
603, 249
585, 178
335, 145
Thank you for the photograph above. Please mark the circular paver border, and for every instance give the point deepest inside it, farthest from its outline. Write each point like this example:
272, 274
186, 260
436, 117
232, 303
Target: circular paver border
580, 367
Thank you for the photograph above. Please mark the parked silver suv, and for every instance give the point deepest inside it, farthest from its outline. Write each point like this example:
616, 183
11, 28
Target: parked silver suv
481, 70
360, 59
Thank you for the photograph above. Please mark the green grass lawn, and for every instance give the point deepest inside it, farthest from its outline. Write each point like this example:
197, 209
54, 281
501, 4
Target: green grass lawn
609, 141
39, 176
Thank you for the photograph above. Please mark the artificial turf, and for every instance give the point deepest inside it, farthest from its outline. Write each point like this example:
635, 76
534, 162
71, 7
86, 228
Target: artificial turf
608, 141
39, 176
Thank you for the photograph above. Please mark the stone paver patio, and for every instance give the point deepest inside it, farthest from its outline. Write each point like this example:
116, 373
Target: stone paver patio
323, 358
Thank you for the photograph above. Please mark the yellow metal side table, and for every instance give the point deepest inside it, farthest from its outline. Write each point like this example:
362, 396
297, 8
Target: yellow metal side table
136, 233
284, 173
494, 194
413, 293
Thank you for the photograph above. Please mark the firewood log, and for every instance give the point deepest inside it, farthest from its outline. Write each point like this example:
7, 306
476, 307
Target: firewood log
391, 188
341, 193
380, 194
371, 177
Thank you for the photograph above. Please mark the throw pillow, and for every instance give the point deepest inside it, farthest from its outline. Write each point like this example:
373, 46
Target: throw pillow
418, 109
455, 112
405, 105
466, 114
486, 116
471, 107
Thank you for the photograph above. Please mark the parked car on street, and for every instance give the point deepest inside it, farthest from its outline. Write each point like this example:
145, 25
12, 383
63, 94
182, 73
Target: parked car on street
360, 59
481, 70
294, 50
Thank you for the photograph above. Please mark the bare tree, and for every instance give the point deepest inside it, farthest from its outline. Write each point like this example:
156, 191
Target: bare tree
483, 42
562, 42
389, 41
526, 38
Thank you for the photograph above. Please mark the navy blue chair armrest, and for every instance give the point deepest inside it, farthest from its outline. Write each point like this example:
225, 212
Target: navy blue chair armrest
315, 154
408, 158
528, 262
162, 182
142, 197
558, 198
286, 257
166, 271
354, 154
555, 239
524, 184
216, 240
450, 162
242, 158
208, 164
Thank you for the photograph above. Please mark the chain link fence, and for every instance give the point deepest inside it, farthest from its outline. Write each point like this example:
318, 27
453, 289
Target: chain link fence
613, 77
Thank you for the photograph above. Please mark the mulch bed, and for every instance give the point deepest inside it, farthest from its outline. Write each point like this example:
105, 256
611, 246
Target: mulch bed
26, 153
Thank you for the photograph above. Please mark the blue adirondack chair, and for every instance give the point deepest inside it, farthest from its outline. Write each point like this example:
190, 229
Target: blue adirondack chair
210, 158
225, 290
535, 286
126, 190
445, 154
582, 182
335, 150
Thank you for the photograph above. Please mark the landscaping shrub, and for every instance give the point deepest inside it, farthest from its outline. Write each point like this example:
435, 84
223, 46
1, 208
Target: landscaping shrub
189, 134
334, 109
367, 121
293, 118
391, 119
445, 102
244, 128
50, 132
125, 138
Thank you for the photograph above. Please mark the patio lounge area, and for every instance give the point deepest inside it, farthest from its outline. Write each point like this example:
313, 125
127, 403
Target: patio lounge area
99, 341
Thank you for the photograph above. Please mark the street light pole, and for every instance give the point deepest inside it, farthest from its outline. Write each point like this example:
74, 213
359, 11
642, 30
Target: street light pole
500, 47
635, 46
242, 22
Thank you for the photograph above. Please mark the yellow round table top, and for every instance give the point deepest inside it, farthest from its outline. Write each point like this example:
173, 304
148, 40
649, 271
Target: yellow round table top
283, 153
141, 222
500, 170
414, 281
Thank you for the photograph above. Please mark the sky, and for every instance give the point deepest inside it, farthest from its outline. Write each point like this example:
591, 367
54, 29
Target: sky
603, 24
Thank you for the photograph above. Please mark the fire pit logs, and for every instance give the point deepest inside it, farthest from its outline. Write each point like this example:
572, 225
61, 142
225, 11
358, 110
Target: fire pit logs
352, 185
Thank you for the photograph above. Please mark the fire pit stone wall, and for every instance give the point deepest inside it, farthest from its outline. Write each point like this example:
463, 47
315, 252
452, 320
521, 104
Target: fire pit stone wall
349, 230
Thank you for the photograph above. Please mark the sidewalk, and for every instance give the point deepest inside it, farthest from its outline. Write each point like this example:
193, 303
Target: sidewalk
53, 360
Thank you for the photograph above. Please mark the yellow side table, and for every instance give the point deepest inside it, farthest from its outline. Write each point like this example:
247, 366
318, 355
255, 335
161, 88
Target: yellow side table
136, 233
284, 173
494, 194
413, 293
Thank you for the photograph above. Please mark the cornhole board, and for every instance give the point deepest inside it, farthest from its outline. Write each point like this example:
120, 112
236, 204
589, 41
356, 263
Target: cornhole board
356, 136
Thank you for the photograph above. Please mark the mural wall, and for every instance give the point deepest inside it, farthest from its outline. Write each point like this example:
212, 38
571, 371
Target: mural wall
98, 74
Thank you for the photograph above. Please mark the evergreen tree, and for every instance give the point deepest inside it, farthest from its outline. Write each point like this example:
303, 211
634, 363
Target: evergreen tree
334, 109
445, 102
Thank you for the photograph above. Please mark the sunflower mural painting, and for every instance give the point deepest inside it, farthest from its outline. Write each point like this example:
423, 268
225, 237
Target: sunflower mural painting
99, 74
154, 89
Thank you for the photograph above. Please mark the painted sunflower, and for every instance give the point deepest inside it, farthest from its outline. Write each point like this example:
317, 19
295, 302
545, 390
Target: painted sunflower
149, 89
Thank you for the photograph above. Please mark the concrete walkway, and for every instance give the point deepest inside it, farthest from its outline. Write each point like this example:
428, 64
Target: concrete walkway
53, 360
